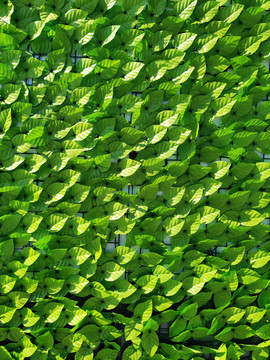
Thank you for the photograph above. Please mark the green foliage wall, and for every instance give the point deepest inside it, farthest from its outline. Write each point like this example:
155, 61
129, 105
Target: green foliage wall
134, 186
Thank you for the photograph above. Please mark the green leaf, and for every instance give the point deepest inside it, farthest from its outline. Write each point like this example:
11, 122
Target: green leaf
259, 259
91, 333
243, 332
229, 14
132, 330
233, 315
161, 303
150, 342
132, 70
6, 313
177, 327
157, 6
6, 283
132, 353
45, 340
264, 299
184, 41
143, 311
112, 271
6, 248
7, 42
134, 7
5, 355
185, 8
208, 214
193, 285
254, 314
207, 11
5, 120
52, 311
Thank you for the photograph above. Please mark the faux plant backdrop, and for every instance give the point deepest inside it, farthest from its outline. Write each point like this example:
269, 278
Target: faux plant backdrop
134, 184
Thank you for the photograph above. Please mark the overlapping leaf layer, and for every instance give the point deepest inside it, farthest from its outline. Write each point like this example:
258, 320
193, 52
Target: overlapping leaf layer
148, 122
